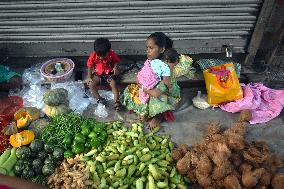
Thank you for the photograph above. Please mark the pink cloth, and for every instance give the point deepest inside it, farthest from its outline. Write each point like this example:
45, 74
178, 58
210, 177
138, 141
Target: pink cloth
264, 103
148, 79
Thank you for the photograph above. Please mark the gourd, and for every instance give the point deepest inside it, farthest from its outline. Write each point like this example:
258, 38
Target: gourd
24, 116
38, 125
55, 97
23, 138
52, 111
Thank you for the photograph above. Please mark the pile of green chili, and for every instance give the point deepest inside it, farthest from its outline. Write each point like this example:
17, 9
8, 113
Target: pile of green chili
60, 126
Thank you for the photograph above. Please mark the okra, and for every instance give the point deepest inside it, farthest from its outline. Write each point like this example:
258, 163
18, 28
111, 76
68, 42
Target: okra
117, 165
100, 159
151, 182
163, 163
92, 152
104, 166
139, 184
154, 160
130, 151
145, 157
145, 150
110, 171
111, 163
131, 170
139, 154
113, 157
141, 167
121, 173
181, 186
162, 184
173, 172
154, 171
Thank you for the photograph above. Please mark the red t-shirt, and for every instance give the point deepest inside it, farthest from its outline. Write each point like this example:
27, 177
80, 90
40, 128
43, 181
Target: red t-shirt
104, 66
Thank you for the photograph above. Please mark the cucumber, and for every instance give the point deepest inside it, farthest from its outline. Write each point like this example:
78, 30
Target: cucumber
3, 171
11, 161
5, 156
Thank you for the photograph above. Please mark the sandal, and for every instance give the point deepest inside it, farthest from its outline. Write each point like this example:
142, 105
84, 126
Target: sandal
117, 105
102, 101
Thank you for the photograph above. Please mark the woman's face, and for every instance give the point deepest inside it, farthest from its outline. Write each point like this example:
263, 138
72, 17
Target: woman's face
153, 50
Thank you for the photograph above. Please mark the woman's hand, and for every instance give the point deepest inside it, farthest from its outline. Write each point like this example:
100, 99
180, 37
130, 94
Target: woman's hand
153, 92
89, 81
115, 70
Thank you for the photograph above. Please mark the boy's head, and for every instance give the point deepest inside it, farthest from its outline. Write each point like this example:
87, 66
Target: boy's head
102, 47
171, 56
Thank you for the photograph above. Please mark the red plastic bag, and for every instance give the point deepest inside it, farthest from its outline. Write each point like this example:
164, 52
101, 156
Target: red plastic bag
8, 107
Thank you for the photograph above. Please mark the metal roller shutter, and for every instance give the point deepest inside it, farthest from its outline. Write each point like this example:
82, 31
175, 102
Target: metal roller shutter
69, 27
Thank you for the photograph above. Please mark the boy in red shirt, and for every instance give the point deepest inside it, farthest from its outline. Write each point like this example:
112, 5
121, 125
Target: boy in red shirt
102, 67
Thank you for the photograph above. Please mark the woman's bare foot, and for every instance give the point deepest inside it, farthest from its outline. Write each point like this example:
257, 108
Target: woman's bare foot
142, 118
154, 122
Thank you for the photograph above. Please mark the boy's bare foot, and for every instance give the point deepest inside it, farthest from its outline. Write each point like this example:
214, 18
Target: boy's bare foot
142, 118
102, 101
154, 122
117, 106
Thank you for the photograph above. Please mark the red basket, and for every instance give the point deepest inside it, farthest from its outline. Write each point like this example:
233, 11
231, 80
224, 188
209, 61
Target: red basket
8, 107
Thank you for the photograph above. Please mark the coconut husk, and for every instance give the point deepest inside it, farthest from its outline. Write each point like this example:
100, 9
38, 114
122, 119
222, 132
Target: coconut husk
183, 165
250, 178
232, 182
184, 148
203, 180
265, 179
221, 171
204, 165
278, 181
238, 128
213, 128
245, 167
235, 141
236, 159
177, 154
245, 116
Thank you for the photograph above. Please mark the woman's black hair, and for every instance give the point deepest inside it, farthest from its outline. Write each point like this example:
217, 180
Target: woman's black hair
102, 46
171, 55
161, 40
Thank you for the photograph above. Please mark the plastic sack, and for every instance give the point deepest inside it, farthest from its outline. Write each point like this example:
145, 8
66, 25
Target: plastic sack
101, 111
222, 84
32, 95
200, 101
32, 75
184, 67
76, 95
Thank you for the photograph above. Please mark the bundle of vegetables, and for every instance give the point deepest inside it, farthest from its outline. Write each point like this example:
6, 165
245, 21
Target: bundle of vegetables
56, 102
37, 160
131, 159
226, 160
92, 136
61, 126
7, 161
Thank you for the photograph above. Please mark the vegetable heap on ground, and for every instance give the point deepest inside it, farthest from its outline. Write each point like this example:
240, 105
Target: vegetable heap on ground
74, 133
37, 160
226, 160
129, 159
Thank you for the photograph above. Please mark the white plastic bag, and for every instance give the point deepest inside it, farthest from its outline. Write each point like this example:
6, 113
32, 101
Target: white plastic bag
200, 101
101, 111
76, 95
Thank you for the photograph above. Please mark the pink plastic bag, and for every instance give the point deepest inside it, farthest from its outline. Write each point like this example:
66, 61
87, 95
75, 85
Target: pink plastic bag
264, 103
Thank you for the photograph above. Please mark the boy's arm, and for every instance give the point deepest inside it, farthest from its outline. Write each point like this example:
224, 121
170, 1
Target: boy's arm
153, 92
167, 82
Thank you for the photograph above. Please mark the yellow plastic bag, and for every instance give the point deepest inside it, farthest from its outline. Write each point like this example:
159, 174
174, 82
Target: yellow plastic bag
222, 84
